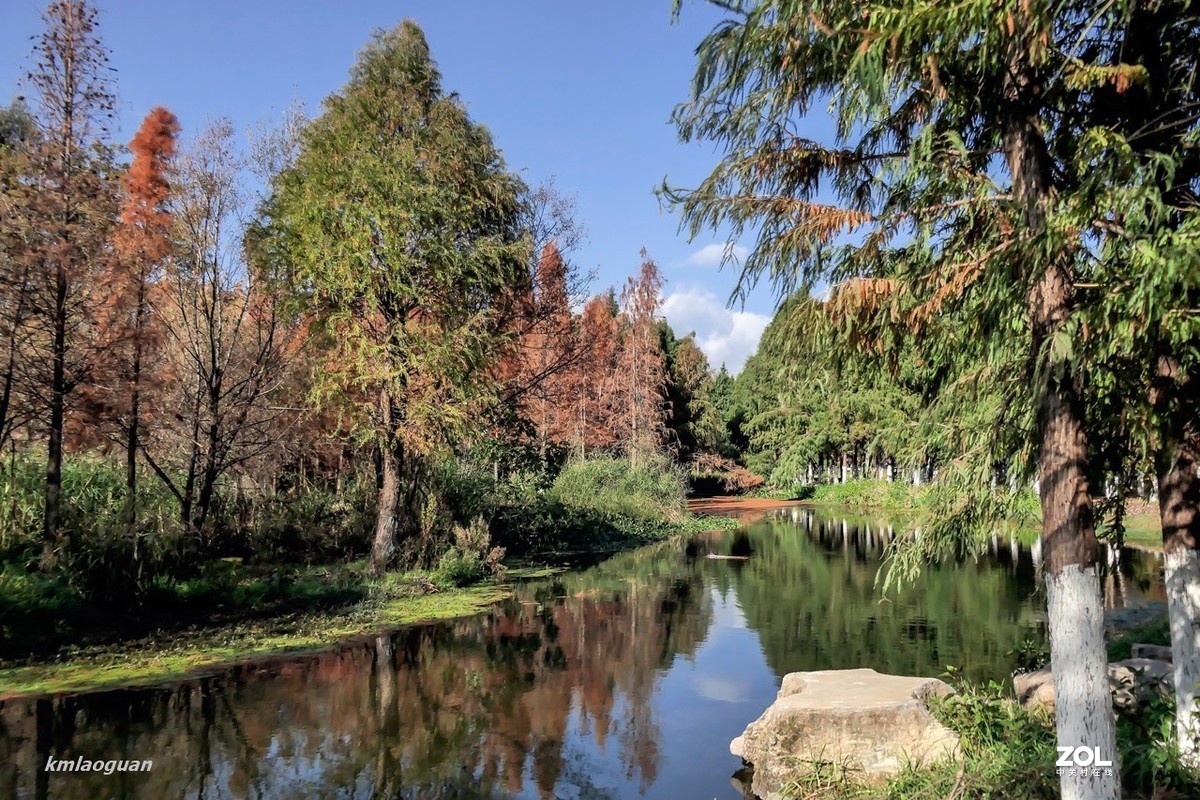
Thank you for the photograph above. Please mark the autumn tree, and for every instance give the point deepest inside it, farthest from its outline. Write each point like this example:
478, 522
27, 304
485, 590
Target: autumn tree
640, 363
399, 221
227, 339
72, 206
142, 242
594, 381
545, 346
17, 133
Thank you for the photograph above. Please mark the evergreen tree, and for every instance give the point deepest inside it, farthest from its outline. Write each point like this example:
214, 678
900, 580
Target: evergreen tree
955, 184
399, 220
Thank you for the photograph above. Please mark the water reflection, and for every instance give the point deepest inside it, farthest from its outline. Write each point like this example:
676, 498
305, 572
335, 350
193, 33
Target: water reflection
626, 679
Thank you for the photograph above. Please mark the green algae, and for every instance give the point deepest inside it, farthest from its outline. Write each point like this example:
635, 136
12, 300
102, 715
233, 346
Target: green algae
189, 654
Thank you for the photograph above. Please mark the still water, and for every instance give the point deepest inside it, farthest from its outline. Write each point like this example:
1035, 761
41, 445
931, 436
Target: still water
627, 679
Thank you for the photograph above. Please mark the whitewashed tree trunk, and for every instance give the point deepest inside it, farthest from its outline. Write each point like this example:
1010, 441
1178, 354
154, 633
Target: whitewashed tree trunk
1182, 572
1083, 705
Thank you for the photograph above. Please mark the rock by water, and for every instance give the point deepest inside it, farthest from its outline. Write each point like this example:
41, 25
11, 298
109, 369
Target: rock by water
869, 723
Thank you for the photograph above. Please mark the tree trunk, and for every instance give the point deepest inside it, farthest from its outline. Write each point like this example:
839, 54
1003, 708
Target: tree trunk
1083, 709
135, 398
383, 548
58, 399
1179, 507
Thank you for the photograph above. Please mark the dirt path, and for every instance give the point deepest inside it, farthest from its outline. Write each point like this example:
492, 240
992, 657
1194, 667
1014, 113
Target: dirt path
740, 507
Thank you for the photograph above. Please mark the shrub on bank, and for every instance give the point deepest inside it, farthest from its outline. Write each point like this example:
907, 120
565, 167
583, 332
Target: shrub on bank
655, 490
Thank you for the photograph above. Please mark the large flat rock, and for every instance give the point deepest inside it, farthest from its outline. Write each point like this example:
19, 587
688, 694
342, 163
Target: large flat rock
858, 719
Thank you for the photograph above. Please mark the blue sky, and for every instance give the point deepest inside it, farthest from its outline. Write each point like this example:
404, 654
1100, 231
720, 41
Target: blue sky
580, 91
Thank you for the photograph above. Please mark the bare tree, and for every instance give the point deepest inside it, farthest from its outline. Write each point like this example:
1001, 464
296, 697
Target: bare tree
229, 343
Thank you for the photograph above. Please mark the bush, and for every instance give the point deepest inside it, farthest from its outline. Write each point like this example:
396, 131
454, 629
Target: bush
471, 558
311, 525
653, 491
103, 557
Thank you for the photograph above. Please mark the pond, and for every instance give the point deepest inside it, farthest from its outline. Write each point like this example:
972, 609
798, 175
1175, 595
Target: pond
626, 679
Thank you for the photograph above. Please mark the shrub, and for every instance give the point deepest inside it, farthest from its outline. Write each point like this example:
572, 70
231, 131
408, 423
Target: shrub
471, 558
653, 491
311, 525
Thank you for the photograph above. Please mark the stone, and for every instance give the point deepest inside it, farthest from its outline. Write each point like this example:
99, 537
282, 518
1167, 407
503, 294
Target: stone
1035, 688
1137, 681
866, 722
1133, 682
1156, 651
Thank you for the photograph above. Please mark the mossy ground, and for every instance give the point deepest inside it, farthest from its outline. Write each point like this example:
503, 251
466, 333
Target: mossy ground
191, 652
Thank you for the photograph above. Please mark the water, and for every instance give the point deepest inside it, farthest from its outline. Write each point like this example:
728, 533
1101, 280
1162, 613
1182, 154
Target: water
627, 679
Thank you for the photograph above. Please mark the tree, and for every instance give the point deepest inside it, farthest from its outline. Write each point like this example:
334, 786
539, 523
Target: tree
229, 339
399, 223
71, 204
928, 100
545, 348
640, 363
143, 242
17, 131
692, 422
594, 381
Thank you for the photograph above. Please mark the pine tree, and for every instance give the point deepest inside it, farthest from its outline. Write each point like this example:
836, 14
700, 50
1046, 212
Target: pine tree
640, 365
143, 242
954, 185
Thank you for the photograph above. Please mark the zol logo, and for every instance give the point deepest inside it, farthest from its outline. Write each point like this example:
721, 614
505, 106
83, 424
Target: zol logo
1081, 757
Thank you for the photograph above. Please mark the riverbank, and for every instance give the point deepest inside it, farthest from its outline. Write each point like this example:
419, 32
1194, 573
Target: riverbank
1143, 527
191, 652
237, 612
1010, 751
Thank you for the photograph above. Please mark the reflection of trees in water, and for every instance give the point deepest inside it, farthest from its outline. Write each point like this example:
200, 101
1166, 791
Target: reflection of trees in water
814, 600
476, 708
811, 593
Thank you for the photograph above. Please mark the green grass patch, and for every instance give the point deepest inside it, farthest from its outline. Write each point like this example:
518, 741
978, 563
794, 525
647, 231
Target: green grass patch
1155, 632
866, 494
390, 601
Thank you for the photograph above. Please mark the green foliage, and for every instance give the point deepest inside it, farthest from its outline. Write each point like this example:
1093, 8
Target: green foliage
596, 504
397, 225
654, 491
869, 494
471, 558
102, 557
310, 524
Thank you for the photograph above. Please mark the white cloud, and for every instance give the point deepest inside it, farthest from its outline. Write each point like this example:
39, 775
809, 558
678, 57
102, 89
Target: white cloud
713, 255
723, 690
726, 337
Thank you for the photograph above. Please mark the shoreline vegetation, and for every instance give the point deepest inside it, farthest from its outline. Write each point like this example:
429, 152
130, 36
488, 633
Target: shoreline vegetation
899, 499
59, 634
1009, 750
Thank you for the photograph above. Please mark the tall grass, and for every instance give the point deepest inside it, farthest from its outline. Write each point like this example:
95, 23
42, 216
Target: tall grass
654, 491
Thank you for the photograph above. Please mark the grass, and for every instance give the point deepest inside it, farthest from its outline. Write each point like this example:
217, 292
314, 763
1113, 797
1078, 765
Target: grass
1156, 632
1142, 530
390, 601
